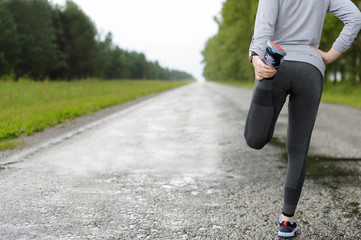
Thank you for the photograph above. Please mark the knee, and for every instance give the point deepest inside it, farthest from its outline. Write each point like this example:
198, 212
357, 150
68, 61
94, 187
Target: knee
254, 142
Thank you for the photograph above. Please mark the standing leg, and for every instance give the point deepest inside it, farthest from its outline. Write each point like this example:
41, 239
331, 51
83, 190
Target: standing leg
303, 106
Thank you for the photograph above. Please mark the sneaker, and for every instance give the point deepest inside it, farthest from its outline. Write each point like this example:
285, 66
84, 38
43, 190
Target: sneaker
287, 229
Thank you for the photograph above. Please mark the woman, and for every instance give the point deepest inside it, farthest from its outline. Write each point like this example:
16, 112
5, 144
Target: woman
296, 26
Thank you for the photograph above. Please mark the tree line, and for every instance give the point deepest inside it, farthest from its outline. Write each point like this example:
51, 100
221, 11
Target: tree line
41, 40
225, 55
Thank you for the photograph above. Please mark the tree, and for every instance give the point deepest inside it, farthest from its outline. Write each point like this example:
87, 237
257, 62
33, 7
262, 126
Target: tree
78, 43
104, 59
225, 55
37, 39
9, 41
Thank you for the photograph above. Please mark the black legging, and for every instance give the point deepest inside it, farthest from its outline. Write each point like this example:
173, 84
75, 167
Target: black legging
304, 83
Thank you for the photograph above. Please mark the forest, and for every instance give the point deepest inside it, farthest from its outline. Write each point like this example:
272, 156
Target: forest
40, 40
226, 54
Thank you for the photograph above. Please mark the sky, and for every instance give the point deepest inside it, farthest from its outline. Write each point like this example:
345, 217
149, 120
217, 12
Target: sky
173, 32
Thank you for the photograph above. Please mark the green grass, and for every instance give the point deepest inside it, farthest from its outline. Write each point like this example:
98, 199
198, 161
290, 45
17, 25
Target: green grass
339, 94
27, 107
342, 94
11, 144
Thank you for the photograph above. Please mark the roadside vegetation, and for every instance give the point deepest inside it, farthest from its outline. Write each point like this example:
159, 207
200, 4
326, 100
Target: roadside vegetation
27, 106
342, 94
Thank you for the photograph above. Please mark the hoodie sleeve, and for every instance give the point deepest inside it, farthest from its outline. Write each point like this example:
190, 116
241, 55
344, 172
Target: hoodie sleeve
347, 12
266, 18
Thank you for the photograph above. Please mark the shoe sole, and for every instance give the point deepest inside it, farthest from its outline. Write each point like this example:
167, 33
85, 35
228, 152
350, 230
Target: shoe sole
288, 235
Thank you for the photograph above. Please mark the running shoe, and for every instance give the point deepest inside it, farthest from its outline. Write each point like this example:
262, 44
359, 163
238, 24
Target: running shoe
287, 229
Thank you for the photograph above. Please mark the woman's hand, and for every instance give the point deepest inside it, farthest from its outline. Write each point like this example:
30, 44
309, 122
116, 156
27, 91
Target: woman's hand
330, 56
261, 69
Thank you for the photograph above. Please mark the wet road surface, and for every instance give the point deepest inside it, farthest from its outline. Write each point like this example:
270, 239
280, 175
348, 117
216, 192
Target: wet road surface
176, 167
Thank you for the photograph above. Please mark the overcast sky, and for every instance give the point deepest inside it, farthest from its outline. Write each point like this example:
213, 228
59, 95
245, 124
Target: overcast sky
173, 32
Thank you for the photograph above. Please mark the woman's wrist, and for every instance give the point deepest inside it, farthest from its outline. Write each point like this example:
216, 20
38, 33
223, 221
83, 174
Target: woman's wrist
332, 55
251, 55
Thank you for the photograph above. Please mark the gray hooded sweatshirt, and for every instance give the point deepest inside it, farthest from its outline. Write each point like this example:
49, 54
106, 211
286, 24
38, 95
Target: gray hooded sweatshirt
296, 25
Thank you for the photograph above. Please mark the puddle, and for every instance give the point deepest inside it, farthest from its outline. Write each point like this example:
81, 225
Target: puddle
333, 172
318, 167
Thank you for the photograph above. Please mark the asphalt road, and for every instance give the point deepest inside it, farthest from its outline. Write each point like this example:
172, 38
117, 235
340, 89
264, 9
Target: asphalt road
175, 166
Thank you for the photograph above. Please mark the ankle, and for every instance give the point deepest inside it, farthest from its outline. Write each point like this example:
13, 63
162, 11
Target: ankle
287, 219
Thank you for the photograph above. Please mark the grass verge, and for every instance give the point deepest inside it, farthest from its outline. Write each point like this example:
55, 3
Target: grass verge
338, 94
11, 144
27, 107
342, 94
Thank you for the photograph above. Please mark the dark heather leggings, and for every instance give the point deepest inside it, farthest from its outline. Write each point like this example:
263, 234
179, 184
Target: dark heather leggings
303, 82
